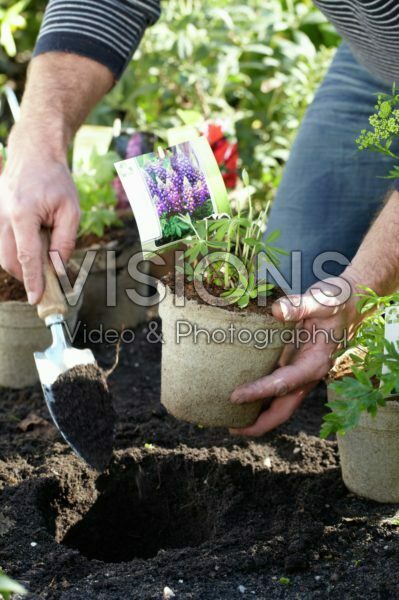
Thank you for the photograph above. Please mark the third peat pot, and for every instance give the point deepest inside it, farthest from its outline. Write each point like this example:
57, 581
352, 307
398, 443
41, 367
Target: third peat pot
369, 454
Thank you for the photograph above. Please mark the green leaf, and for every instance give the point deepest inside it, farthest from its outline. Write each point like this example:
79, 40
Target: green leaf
245, 178
265, 287
243, 301
189, 117
8, 587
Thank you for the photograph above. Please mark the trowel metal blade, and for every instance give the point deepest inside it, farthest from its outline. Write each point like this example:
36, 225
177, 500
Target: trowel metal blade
50, 365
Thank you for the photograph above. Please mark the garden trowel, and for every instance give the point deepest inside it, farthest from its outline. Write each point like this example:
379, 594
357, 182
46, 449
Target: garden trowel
74, 387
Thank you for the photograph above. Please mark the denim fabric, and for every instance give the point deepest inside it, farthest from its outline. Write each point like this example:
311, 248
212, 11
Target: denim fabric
330, 191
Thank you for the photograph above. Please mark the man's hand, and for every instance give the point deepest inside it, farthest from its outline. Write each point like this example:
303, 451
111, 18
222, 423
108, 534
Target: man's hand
36, 190
329, 308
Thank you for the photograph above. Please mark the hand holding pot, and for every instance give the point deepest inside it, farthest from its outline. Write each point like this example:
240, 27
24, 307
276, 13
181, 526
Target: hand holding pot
323, 314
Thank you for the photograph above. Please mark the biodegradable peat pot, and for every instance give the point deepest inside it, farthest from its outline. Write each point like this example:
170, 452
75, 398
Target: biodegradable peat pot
124, 243
198, 377
21, 334
369, 454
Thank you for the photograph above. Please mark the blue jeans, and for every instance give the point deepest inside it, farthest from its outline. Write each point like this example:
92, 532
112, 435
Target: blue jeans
330, 191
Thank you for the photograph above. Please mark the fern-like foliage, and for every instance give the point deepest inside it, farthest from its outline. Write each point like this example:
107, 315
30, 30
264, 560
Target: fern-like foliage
370, 384
226, 252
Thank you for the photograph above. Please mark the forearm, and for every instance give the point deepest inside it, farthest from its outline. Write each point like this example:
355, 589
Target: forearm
376, 264
61, 91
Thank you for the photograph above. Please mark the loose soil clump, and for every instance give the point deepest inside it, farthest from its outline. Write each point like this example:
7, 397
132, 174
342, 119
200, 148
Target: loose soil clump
84, 411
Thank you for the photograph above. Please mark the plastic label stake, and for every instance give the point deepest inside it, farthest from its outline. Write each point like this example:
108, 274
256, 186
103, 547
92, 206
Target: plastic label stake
391, 333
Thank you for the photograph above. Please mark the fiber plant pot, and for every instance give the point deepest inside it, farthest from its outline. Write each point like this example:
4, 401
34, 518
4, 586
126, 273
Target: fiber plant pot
21, 334
369, 454
198, 377
125, 314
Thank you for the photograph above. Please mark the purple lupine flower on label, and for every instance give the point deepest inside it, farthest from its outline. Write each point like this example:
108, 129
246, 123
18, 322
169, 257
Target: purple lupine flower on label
201, 192
184, 166
161, 207
152, 186
188, 196
174, 196
158, 170
177, 186
163, 203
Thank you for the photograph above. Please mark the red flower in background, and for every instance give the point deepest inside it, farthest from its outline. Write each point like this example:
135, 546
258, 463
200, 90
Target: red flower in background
225, 151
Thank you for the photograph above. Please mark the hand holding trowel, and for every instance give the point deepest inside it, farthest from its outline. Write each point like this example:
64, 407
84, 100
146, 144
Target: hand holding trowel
74, 387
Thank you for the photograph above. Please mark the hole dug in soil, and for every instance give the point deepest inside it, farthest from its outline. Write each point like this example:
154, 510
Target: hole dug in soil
135, 510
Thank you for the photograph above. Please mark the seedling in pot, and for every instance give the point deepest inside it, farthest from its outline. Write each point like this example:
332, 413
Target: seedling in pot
220, 268
240, 249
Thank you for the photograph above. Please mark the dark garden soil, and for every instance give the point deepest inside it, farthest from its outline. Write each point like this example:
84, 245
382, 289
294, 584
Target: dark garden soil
11, 288
190, 293
208, 515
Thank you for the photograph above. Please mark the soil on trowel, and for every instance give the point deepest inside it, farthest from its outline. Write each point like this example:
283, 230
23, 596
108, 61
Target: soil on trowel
83, 409
208, 515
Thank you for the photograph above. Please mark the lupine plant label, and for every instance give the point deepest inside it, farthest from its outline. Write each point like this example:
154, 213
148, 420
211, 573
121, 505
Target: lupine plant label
162, 186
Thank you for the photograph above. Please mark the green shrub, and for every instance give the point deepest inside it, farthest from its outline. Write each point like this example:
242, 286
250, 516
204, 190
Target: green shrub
255, 65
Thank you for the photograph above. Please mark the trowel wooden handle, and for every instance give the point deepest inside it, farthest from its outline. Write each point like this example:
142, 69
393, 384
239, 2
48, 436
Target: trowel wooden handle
53, 300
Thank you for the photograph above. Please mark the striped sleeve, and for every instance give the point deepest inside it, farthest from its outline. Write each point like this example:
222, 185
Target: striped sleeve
108, 31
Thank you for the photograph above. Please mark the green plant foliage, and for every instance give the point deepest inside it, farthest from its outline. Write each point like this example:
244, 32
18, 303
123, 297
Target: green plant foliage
369, 385
226, 252
9, 587
19, 26
97, 195
384, 129
254, 64
11, 19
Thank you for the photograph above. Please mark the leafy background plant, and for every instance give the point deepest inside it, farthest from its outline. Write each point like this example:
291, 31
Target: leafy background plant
383, 134
256, 64
98, 198
369, 385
